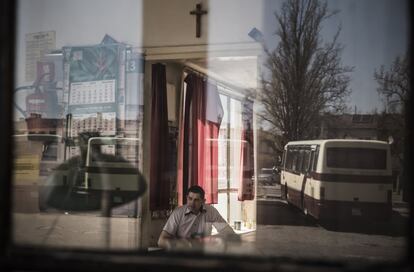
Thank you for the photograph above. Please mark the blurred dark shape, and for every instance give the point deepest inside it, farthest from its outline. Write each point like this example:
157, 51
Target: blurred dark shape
112, 181
68, 188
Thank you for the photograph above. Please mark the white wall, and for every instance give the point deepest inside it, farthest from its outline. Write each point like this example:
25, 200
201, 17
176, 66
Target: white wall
169, 23
231, 20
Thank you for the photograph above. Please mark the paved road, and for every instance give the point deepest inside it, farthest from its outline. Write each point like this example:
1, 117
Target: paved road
283, 230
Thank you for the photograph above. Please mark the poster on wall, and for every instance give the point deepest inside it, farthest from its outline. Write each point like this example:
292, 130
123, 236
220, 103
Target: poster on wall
94, 87
37, 45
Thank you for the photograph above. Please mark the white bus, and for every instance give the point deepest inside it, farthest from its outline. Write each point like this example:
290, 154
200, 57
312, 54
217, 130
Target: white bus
338, 178
108, 172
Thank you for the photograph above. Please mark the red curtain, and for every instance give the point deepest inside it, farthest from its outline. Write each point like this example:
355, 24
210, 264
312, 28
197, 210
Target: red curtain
198, 147
246, 187
159, 176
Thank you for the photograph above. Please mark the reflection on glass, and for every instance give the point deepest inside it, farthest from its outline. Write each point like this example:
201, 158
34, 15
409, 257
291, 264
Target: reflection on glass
78, 136
113, 123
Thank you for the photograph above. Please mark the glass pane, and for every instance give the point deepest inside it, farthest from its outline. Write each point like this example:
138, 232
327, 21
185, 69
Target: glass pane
119, 108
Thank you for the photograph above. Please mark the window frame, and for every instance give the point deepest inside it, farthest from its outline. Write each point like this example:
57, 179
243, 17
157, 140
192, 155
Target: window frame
7, 59
35, 259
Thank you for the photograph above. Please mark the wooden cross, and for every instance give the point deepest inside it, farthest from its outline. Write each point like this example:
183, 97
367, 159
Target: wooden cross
198, 12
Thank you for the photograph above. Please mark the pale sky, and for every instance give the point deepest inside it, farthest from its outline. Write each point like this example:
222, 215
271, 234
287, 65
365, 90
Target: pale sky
374, 33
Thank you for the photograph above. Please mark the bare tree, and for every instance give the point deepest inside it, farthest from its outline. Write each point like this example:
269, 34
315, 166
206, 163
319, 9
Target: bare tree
306, 75
394, 85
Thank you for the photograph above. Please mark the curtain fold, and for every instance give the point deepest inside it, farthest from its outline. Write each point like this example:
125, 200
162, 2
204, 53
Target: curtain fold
246, 188
198, 147
159, 172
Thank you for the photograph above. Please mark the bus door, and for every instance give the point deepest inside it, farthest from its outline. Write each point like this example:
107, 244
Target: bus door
293, 175
306, 197
313, 184
288, 176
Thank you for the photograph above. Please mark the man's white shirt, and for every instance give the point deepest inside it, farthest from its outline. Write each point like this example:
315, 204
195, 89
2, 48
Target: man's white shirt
183, 223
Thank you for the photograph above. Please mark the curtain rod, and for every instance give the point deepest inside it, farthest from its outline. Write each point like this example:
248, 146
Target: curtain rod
188, 69
228, 87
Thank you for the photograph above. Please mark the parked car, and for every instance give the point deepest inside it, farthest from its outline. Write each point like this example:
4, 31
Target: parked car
268, 176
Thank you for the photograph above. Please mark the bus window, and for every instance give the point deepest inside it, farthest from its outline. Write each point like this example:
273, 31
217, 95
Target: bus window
295, 160
315, 158
357, 158
289, 159
306, 161
283, 161
300, 160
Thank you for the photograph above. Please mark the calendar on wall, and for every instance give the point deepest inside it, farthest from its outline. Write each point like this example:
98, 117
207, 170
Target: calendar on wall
94, 87
103, 96
92, 92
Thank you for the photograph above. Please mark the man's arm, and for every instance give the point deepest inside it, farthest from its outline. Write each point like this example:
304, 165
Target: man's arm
168, 233
221, 225
165, 239
169, 241
226, 230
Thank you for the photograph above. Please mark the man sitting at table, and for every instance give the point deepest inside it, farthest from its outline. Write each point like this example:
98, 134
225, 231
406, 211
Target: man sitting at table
193, 220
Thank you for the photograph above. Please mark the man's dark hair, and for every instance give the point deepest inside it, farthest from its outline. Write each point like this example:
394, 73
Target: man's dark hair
197, 190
